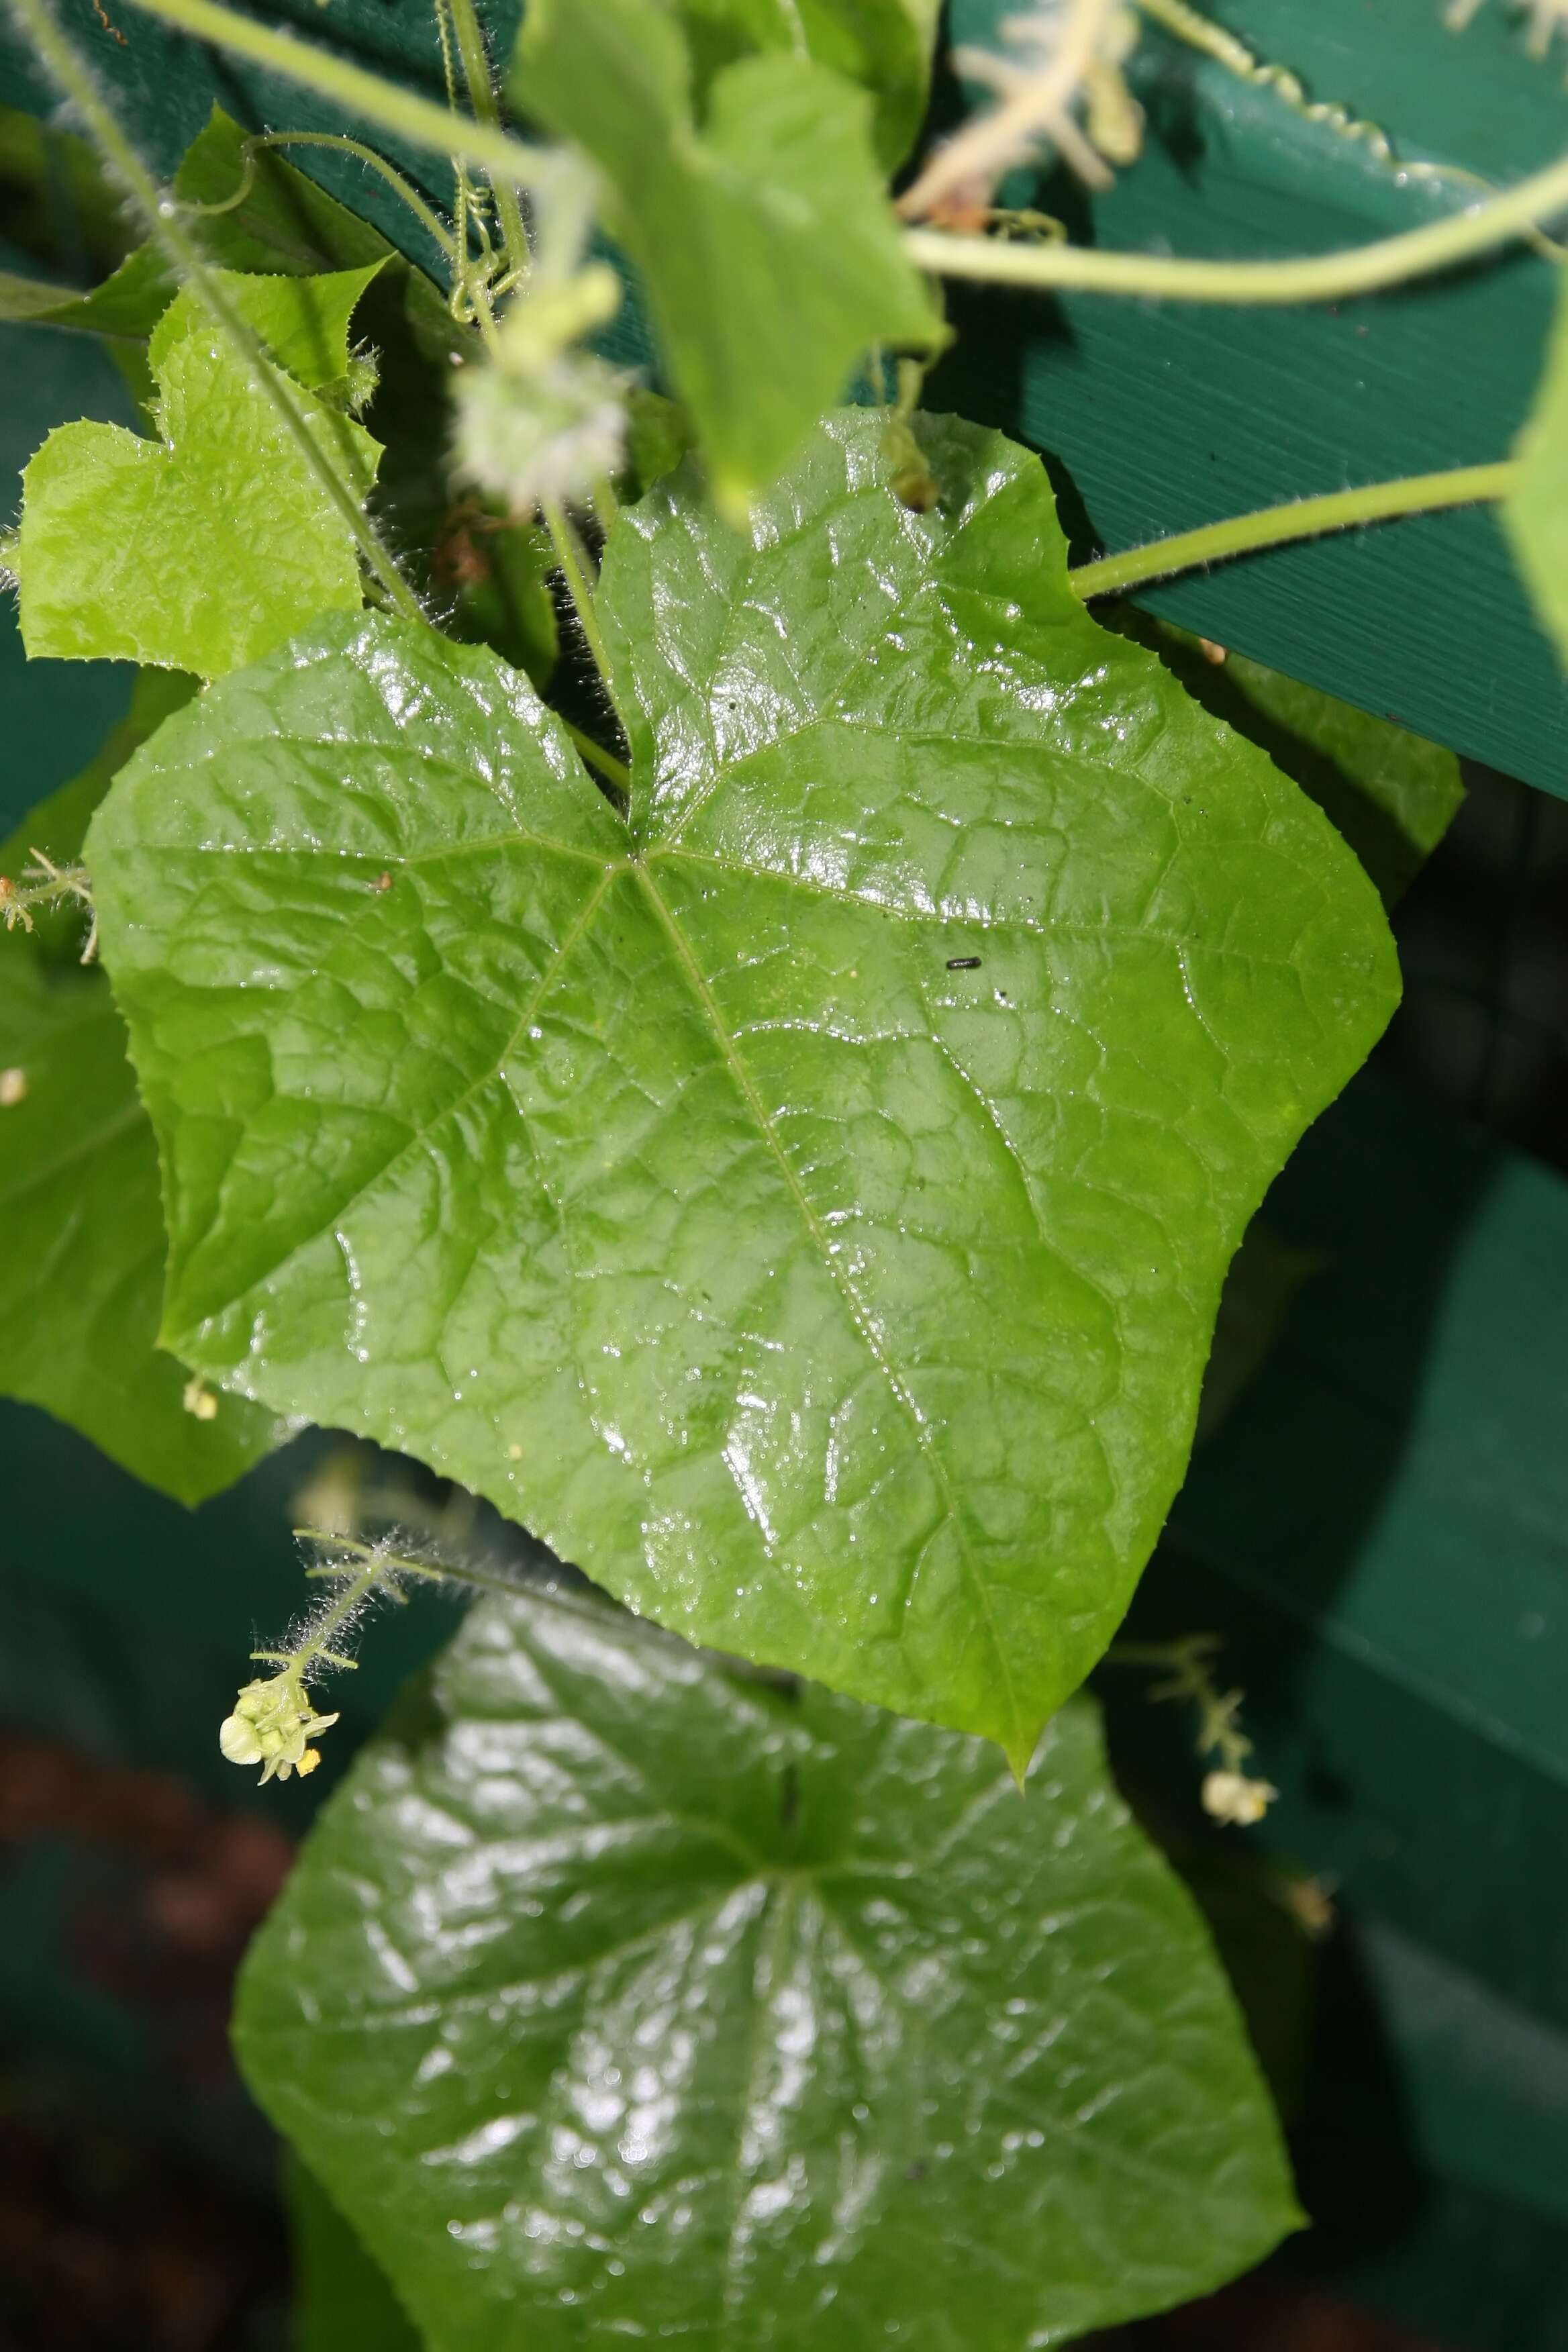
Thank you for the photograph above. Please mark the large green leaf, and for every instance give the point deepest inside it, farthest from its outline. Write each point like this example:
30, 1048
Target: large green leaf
1391, 793
805, 1206
619, 1995
763, 236
81, 1226
205, 547
1535, 512
884, 44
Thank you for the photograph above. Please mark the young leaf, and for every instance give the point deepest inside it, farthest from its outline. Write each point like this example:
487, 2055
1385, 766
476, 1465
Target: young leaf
126, 306
884, 44
81, 1226
1391, 793
1535, 512
302, 321
763, 236
198, 551
805, 1206
618, 1994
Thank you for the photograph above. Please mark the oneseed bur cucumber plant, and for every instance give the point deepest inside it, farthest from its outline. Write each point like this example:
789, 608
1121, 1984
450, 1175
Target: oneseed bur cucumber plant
678, 974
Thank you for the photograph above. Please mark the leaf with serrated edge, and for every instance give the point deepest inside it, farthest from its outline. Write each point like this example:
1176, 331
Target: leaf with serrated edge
665, 1182
199, 551
618, 1994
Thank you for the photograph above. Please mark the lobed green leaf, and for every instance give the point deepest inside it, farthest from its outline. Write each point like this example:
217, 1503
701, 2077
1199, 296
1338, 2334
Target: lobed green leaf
619, 1994
805, 1202
763, 234
205, 547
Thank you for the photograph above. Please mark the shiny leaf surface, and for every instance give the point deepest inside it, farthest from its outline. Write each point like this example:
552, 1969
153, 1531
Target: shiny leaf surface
616, 1994
198, 550
805, 1205
762, 236
81, 1226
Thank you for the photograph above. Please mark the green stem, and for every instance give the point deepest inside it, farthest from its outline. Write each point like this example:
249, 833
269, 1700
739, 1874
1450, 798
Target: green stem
379, 1560
162, 219
614, 772
571, 555
482, 98
1464, 486
418, 119
1316, 277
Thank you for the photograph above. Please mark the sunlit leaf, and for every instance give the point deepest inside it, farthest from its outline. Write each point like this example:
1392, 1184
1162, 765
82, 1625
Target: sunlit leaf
804, 1204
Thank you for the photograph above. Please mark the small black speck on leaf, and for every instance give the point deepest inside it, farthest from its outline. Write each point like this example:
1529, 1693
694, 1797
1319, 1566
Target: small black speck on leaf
963, 963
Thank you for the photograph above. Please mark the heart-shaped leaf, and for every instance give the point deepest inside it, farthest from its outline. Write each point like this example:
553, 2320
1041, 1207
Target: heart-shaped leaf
805, 1205
619, 1995
204, 549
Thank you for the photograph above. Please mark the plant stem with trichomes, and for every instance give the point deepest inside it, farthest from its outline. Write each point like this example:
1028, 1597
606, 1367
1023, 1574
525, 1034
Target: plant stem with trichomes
1299, 519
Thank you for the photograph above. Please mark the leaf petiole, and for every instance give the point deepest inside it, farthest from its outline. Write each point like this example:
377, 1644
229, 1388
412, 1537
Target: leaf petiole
1298, 519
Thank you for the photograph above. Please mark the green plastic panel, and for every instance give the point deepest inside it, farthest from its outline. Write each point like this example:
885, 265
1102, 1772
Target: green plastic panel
1167, 416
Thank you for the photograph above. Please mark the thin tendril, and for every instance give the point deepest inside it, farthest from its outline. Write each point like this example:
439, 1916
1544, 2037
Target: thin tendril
426, 216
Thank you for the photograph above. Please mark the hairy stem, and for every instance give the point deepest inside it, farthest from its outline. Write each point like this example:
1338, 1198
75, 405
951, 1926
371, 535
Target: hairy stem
1316, 277
573, 558
482, 98
1188, 550
418, 119
164, 221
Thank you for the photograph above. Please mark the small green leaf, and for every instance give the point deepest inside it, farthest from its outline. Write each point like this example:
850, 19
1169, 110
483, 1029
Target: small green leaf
1535, 512
81, 1226
1391, 793
619, 1995
763, 234
885, 46
302, 321
198, 552
805, 1205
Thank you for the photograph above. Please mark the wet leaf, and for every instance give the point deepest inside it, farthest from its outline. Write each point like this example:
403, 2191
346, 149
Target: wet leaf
805, 1207
617, 1994
81, 1226
763, 234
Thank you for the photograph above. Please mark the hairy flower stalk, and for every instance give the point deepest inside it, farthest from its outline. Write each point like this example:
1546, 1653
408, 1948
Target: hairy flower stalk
274, 1717
1230, 1795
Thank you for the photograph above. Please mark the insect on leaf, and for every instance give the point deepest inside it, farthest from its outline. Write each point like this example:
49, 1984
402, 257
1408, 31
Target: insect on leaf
804, 1202
617, 1994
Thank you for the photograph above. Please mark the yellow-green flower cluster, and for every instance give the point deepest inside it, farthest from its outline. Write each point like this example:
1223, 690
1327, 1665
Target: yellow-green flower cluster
272, 1724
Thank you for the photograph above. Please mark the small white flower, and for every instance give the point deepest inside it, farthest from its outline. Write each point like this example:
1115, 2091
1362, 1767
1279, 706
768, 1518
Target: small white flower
1232, 1798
